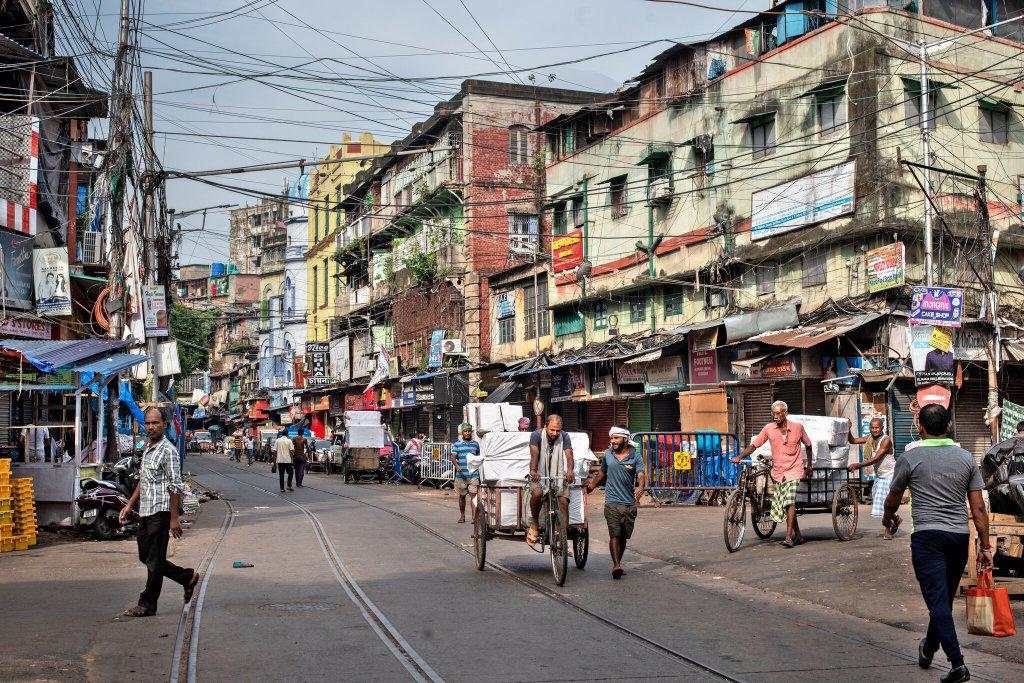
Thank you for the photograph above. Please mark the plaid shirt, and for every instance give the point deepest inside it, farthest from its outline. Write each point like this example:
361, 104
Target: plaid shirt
159, 477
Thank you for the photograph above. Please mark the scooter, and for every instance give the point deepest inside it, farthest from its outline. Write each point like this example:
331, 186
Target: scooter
102, 500
411, 468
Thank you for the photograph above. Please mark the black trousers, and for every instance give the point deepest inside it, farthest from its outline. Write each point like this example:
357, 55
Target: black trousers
300, 471
939, 559
283, 467
153, 535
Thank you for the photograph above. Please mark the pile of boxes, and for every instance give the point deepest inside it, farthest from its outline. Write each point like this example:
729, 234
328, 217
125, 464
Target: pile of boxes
17, 510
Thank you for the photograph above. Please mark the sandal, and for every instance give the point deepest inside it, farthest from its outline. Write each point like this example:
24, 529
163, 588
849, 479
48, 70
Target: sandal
617, 573
532, 533
787, 544
137, 611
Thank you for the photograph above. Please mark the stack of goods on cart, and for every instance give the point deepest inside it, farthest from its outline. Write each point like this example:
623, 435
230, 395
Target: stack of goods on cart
364, 429
493, 417
17, 510
830, 454
1003, 470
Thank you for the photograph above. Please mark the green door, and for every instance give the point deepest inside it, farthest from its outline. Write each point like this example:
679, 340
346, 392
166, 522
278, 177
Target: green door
639, 415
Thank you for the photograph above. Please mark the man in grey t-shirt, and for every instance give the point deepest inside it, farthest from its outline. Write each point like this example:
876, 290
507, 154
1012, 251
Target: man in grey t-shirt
943, 479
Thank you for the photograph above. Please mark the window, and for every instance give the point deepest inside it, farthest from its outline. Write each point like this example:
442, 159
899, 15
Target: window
523, 232
316, 224
762, 137
994, 125
674, 301
660, 166
518, 145
617, 196
913, 108
568, 321
507, 330
553, 151
638, 309
578, 205
326, 282
559, 219
568, 141
831, 113
659, 86
814, 265
601, 316
541, 309
337, 210
316, 299
765, 276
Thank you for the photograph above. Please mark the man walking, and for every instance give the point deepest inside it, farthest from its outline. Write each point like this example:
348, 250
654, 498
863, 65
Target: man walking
158, 494
551, 457
300, 458
283, 449
785, 438
467, 477
250, 446
622, 472
880, 453
943, 480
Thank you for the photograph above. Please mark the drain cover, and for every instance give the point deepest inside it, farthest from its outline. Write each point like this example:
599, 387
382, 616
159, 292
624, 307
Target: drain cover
301, 606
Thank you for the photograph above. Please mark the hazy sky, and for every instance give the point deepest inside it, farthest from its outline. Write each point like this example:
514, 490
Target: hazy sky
192, 47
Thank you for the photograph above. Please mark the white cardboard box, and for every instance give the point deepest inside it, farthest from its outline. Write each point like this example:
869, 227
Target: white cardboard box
362, 418
365, 436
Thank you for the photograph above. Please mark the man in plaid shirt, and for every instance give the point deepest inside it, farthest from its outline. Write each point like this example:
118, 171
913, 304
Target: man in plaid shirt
159, 497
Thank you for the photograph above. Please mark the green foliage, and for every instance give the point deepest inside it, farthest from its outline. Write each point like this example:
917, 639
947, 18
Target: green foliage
423, 267
193, 328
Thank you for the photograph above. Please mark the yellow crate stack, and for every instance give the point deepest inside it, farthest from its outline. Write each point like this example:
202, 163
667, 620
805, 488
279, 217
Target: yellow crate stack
6, 507
17, 510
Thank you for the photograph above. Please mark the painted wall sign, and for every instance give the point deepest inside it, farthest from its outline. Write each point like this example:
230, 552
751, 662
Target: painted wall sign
52, 281
318, 364
703, 358
436, 357
936, 306
567, 250
886, 267
23, 327
804, 201
16, 280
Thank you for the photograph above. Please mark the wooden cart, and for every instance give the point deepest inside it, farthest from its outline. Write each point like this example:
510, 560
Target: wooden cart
1006, 534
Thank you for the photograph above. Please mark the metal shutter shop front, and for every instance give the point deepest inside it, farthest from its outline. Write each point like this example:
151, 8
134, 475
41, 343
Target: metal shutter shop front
639, 415
600, 418
423, 420
757, 409
814, 397
570, 416
792, 392
969, 415
665, 413
5, 422
903, 430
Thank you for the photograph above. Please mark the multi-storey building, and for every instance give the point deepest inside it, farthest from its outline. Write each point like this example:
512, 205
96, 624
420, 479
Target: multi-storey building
246, 227
726, 212
326, 187
455, 200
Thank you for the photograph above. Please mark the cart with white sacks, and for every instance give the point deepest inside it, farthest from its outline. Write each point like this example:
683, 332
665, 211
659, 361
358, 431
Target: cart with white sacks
503, 502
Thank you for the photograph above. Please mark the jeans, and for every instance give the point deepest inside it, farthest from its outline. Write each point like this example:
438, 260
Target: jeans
248, 456
283, 467
152, 537
300, 471
939, 559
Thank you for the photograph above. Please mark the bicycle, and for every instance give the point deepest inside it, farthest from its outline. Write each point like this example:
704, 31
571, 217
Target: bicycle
754, 486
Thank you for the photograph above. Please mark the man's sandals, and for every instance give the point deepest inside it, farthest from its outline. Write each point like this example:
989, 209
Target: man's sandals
532, 534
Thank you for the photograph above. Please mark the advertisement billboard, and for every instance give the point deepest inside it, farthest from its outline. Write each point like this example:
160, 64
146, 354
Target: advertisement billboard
811, 199
52, 281
886, 267
567, 250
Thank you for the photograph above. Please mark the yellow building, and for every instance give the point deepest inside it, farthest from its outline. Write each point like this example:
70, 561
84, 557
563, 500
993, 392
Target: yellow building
326, 189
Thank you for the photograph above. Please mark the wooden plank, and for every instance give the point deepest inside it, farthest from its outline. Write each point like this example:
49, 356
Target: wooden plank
1000, 517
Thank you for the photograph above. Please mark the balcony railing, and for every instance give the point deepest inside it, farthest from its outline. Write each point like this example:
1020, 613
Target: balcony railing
354, 231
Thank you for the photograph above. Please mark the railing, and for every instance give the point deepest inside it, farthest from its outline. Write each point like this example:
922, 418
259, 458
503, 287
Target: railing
354, 231
436, 466
689, 467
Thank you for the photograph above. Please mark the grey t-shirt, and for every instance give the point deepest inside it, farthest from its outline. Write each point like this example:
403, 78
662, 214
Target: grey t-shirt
939, 477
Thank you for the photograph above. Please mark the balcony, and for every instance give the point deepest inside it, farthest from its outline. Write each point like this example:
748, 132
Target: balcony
660, 191
353, 232
269, 267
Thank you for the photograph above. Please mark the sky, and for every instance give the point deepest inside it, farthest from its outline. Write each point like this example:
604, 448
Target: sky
281, 72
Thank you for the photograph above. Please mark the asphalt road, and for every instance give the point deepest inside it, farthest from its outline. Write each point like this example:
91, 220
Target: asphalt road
376, 583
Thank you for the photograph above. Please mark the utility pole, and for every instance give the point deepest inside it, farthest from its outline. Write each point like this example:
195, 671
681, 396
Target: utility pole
995, 346
149, 214
926, 152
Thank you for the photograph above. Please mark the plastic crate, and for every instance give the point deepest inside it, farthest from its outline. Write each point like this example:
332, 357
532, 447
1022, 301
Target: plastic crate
6, 529
5, 465
21, 542
5, 477
5, 490
6, 517
6, 544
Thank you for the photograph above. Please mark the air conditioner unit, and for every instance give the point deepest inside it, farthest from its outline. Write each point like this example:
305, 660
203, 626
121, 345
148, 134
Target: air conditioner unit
92, 248
716, 298
452, 347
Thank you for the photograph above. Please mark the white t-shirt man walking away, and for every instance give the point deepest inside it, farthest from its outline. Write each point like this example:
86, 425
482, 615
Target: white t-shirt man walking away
283, 449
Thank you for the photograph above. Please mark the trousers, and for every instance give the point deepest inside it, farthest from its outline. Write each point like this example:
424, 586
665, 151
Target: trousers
283, 467
939, 558
152, 537
300, 471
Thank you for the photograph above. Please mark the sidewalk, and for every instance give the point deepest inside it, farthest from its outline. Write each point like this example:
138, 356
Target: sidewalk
65, 596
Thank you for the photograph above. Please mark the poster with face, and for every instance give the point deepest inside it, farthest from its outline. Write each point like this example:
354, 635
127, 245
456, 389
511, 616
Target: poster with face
51, 275
931, 355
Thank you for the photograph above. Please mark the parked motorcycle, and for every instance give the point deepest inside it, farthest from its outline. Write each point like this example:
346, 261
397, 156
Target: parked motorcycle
411, 467
102, 500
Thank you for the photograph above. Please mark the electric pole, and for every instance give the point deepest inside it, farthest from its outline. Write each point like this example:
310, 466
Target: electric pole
149, 215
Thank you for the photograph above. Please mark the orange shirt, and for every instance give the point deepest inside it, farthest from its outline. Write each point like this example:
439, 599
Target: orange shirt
787, 460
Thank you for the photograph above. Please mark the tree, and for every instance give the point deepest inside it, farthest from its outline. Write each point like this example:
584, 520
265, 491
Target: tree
193, 328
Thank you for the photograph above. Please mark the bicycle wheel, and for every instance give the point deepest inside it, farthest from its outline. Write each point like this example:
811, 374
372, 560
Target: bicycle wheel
844, 512
581, 548
760, 512
480, 542
734, 525
558, 542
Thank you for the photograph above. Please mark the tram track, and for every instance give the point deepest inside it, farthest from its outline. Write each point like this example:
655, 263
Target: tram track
644, 641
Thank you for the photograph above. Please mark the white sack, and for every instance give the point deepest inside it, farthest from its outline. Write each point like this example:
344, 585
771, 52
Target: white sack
833, 430
364, 436
362, 418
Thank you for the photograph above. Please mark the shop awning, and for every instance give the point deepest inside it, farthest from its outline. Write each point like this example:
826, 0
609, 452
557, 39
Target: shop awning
50, 356
914, 84
1014, 350
748, 363
806, 336
646, 357
110, 365
750, 118
503, 391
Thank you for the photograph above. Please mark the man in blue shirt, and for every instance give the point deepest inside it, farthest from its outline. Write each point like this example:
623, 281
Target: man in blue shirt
465, 457
622, 472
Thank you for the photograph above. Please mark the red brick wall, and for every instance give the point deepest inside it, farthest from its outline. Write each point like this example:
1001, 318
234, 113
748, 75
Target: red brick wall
419, 312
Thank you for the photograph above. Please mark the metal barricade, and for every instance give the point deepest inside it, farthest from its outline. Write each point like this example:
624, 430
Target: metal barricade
436, 468
691, 468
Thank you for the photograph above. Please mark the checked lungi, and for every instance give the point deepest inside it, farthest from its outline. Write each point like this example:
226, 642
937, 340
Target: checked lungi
784, 496
878, 494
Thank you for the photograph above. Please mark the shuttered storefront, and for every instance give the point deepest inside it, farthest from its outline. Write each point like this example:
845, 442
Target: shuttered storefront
814, 398
665, 413
639, 415
5, 421
423, 420
903, 430
600, 417
792, 392
969, 415
757, 409
570, 416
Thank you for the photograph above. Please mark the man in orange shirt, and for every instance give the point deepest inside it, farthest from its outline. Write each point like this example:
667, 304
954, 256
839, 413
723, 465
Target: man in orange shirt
785, 438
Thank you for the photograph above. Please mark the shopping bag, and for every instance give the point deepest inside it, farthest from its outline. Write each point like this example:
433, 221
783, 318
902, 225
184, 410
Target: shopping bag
273, 467
988, 609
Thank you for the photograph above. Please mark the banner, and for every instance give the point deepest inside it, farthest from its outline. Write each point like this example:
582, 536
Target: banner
318, 363
703, 357
810, 199
382, 369
936, 306
436, 357
886, 267
154, 308
932, 355
1012, 415
567, 250
51, 275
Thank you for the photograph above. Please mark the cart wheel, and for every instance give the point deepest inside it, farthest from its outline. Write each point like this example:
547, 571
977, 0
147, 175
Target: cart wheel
844, 512
581, 547
559, 546
734, 526
480, 542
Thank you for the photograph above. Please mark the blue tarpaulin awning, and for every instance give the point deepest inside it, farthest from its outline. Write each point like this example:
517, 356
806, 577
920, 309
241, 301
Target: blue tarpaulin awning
51, 356
109, 365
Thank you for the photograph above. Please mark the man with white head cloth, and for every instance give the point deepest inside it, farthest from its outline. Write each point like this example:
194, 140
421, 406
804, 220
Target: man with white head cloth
622, 473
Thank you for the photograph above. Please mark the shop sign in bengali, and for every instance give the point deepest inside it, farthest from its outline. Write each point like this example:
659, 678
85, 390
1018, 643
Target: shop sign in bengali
886, 267
318, 364
567, 250
1012, 415
936, 306
665, 374
703, 359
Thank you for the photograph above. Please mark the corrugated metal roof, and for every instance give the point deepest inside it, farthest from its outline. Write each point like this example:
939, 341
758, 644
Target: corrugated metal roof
806, 336
111, 364
50, 356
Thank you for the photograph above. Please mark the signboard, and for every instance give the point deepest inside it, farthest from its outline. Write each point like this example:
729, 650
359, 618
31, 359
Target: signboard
341, 360
16, 271
811, 199
154, 308
886, 267
1011, 416
504, 305
424, 392
567, 250
931, 355
51, 276
703, 357
631, 373
783, 367
665, 374
383, 336
435, 358
318, 364
408, 395
936, 306
24, 327
568, 383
